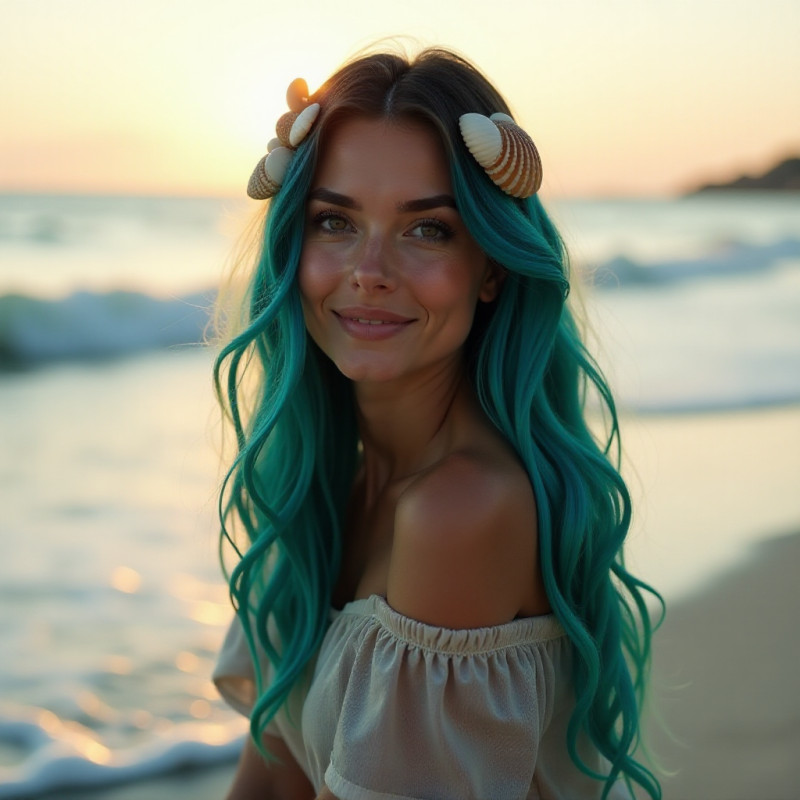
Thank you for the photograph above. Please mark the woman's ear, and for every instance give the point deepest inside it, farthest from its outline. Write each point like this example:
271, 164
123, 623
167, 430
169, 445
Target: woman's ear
492, 282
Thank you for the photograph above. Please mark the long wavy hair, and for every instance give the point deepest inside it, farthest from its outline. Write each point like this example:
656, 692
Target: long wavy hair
283, 500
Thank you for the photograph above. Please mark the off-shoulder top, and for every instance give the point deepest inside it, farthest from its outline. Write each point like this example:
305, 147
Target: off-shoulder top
393, 708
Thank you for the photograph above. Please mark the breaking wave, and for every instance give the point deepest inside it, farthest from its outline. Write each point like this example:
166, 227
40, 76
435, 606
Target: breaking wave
89, 325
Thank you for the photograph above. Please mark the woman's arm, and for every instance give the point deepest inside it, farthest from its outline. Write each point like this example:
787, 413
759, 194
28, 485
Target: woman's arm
257, 779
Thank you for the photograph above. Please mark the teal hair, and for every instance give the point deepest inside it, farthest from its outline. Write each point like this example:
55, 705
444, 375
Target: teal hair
298, 448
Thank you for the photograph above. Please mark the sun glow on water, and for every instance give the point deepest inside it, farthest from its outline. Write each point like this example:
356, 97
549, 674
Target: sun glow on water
187, 662
126, 580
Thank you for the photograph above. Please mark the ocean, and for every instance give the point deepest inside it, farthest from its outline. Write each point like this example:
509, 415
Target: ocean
112, 602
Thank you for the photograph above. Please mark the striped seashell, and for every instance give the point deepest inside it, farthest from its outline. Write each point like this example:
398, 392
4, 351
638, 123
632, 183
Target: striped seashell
302, 125
269, 173
284, 126
297, 95
505, 151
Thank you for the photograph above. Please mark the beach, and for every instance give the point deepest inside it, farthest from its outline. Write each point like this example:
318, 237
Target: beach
725, 682
724, 722
113, 604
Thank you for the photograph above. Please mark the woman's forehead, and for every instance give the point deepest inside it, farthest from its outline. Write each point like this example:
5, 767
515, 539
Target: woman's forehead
364, 151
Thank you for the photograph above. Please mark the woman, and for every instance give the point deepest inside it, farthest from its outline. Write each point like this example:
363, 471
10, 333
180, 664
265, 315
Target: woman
430, 582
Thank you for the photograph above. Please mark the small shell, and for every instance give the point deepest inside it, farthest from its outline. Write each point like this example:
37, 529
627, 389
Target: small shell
273, 143
297, 95
269, 173
277, 163
482, 138
507, 153
302, 125
284, 126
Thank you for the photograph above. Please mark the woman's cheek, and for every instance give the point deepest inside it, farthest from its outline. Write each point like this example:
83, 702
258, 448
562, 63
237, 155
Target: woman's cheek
319, 273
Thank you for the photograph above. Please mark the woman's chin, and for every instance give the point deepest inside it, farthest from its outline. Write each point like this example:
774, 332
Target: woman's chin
369, 372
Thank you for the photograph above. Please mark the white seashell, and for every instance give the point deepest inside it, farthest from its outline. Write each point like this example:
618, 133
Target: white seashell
297, 95
509, 156
277, 163
302, 125
482, 138
269, 173
284, 125
273, 143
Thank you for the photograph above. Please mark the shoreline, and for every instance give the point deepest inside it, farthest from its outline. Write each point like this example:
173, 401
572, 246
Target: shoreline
724, 682
706, 490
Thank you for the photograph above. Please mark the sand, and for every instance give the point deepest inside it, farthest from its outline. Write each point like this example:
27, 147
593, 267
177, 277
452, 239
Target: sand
726, 680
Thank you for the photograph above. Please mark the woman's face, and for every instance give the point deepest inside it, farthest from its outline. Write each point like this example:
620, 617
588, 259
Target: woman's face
389, 274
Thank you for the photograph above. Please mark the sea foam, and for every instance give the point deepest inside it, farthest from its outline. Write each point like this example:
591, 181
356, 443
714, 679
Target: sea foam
89, 325
60, 757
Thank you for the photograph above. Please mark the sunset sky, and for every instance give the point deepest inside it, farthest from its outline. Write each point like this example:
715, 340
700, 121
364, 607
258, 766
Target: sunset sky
624, 97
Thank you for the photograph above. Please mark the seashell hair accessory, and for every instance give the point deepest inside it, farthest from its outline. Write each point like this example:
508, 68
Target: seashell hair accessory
505, 151
291, 129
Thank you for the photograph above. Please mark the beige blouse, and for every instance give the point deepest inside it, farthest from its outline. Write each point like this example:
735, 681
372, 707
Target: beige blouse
392, 708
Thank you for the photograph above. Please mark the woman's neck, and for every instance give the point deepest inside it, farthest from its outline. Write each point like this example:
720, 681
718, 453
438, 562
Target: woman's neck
406, 428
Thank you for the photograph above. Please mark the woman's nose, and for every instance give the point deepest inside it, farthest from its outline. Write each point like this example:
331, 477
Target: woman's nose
372, 269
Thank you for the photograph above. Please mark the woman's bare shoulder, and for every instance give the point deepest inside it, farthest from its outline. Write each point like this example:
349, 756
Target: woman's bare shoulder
465, 550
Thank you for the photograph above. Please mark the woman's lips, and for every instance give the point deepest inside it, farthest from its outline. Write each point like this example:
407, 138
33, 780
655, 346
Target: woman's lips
371, 323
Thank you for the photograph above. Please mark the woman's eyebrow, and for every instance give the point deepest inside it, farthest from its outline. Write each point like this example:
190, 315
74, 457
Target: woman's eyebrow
423, 204
427, 203
327, 196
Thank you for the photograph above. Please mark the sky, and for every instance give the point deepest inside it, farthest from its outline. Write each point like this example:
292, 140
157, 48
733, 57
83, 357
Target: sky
623, 97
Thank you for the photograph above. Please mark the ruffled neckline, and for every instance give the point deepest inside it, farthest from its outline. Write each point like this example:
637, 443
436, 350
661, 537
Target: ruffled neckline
525, 630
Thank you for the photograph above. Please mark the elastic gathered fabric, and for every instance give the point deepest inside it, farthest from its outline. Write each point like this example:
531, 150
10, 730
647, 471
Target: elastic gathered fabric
394, 708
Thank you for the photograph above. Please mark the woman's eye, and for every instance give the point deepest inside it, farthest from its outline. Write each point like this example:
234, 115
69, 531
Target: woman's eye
336, 224
331, 222
428, 231
431, 230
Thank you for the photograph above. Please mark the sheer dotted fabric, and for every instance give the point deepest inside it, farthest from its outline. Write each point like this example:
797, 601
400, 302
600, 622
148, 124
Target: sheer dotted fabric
393, 708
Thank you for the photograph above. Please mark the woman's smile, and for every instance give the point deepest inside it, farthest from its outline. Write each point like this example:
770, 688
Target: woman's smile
372, 323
